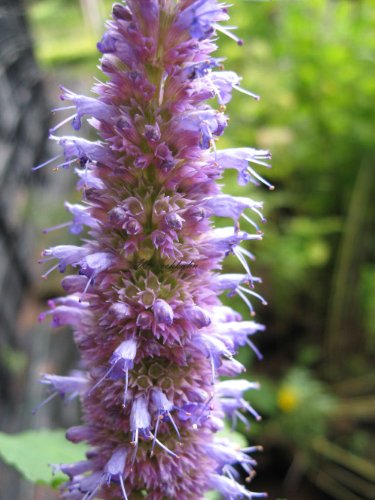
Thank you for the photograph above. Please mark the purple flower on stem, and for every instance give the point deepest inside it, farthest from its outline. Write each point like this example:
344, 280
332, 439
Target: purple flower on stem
67, 387
143, 298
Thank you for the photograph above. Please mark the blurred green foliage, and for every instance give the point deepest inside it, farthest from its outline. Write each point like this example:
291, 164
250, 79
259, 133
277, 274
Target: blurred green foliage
313, 64
298, 408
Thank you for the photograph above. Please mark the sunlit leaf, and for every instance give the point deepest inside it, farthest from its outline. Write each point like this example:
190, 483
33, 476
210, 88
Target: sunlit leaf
32, 452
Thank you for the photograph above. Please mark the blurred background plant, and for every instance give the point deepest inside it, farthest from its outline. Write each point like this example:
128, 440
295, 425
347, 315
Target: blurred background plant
313, 64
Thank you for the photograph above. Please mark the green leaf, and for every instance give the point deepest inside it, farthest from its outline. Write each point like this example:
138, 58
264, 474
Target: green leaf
212, 495
32, 452
234, 436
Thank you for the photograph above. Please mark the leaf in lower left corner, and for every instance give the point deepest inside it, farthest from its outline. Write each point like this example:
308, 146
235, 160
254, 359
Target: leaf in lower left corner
32, 452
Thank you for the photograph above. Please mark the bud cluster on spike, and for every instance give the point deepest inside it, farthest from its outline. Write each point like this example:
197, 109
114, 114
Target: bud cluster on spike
143, 299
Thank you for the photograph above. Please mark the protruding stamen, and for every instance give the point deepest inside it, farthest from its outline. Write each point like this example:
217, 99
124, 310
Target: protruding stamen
43, 403
243, 419
254, 294
238, 252
226, 31
174, 425
63, 108
89, 281
123, 487
250, 221
247, 301
251, 257
254, 348
252, 172
59, 125
158, 420
51, 160
126, 386
101, 380
205, 406
55, 228
258, 212
252, 449
134, 443
251, 410
65, 164
44, 276
247, 92
227, 471
170, 452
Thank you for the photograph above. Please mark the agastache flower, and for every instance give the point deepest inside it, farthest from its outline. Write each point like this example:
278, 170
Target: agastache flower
143, 296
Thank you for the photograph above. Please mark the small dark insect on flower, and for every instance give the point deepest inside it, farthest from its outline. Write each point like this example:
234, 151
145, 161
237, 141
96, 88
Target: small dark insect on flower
143, 296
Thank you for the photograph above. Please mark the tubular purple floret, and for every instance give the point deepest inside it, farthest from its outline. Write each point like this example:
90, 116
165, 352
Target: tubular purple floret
215, 349
84, 151
114, 468
235, 388
224, 82
240, 160
121, 361
199, 316
238, 333
74, 469
231, 368
163, 313
140, 422
95, 263
230, 393
226, 454
86, 106
230, 488
232, 281
124, 354
164, 407
65, 254
68, 387
63, 315
79, 433
81, 217
225, 239
223, 314
112, 471
121, 311
76, 383
224, 205
74, 283
201, 18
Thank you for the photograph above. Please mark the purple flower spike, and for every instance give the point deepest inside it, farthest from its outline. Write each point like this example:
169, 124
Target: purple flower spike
143, 296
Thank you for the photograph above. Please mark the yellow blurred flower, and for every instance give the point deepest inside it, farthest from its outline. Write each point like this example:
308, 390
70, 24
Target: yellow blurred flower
287, 399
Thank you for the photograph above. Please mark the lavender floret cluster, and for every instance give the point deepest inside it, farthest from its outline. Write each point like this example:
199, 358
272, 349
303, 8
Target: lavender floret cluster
143, 300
